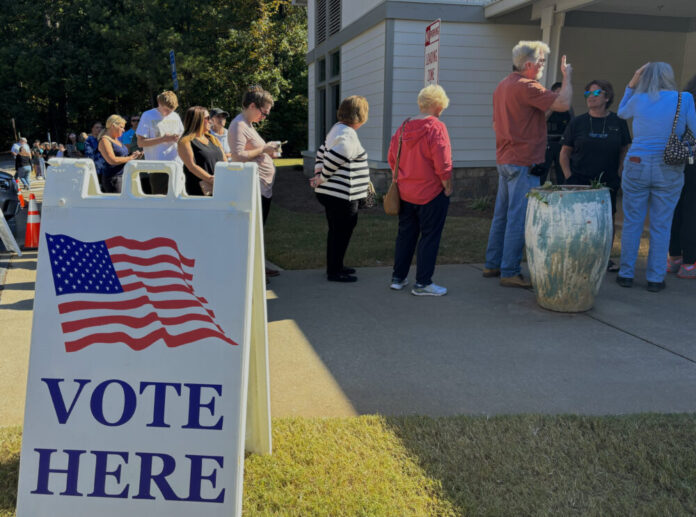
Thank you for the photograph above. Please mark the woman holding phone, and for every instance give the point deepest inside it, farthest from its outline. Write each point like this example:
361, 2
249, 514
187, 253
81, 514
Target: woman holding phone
246, 145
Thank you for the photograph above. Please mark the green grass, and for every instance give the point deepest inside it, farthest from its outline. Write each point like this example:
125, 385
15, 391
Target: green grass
637, 465
297, 240
287, 162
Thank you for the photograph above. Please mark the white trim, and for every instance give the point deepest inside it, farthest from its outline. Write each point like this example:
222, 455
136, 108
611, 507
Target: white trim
558, 6
500, 7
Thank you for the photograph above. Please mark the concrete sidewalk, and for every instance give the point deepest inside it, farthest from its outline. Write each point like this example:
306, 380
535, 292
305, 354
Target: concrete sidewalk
483, 349
347, 349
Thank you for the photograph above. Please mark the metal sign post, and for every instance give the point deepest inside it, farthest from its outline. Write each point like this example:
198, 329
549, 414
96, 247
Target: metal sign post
172, 62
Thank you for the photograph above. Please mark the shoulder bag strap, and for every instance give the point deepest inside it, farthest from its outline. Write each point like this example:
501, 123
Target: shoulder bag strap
398, 152
676, 116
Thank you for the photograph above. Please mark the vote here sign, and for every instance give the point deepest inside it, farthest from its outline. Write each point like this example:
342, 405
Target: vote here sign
137, 387
432, 50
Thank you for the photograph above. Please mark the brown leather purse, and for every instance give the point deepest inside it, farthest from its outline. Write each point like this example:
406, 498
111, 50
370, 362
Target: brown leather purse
392, 201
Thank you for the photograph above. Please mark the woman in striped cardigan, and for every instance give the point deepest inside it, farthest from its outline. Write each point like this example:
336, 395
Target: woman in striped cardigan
341, 178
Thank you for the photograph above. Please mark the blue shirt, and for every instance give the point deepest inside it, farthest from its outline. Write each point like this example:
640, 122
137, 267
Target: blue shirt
127, 137
653, 118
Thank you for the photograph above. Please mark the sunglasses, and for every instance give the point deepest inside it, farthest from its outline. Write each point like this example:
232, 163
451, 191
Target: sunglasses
595, 93
135, 120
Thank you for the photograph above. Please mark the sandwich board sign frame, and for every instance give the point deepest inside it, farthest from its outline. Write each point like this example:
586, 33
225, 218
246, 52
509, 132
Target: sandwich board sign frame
148, 372
432, 53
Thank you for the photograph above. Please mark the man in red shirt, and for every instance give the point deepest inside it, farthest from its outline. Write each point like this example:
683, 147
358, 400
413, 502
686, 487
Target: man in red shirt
520, 104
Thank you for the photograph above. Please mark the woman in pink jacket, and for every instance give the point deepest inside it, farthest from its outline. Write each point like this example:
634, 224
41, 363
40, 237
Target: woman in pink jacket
425, 184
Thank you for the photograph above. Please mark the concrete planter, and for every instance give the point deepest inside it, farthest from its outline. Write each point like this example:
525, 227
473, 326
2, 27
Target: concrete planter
568, 238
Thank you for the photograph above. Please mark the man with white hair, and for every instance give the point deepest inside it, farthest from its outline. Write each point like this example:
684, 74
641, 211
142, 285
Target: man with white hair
520, 104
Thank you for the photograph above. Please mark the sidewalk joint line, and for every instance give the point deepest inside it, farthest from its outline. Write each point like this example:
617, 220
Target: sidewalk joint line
657, 345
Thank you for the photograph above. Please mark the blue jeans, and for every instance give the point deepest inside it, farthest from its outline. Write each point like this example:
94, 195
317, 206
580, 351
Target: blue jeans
426, 221
23, 175
650, 185
506, 238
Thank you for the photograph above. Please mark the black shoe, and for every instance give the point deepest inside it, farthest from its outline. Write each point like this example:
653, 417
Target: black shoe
656, 287
623, 281
347, 271
342, 278
613, 267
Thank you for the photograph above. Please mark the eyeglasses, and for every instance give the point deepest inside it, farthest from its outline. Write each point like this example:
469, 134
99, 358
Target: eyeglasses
264, 113
135, 120
207, 117
595, 93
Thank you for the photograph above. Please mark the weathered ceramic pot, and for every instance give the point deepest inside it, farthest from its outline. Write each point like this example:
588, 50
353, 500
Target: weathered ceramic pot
568, 238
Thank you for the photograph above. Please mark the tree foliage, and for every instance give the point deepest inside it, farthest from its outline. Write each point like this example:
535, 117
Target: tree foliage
65, 64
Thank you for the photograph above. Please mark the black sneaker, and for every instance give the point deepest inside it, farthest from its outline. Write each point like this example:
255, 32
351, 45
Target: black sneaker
342, 278
623, 281
656, 287
347, 271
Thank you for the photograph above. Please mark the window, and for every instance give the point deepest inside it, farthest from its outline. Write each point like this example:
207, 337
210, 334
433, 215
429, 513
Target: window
328, 19
328, 88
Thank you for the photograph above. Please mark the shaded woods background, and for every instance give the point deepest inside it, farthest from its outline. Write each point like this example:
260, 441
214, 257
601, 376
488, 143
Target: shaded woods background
65, 64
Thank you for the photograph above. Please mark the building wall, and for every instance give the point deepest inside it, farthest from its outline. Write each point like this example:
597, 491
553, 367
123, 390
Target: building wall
473, 59
311, 11
615, 54
311, 109
352, 10
689, 68
362, 73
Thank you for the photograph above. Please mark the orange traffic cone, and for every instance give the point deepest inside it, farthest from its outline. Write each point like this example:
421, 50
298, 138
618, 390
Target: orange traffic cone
31, 237
19, 194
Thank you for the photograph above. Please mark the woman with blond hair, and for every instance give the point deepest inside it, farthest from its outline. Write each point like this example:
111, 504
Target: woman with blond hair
114, 153
425, 184
648, 183
200, 151
341, 179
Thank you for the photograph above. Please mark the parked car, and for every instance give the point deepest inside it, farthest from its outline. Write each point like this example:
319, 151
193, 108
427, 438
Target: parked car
8, 195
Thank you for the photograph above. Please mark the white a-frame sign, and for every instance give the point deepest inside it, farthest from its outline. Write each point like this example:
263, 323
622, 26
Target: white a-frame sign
148, 372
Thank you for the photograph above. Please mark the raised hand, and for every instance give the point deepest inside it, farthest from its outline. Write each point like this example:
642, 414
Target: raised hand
636, 76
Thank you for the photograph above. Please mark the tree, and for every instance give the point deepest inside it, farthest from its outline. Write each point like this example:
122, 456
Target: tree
65, 64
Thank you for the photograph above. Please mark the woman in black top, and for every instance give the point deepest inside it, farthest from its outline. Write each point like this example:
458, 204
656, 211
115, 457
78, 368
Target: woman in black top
595, 144
200, 151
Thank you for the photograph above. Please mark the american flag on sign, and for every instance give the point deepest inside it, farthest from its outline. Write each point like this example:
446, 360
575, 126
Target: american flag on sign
126, 291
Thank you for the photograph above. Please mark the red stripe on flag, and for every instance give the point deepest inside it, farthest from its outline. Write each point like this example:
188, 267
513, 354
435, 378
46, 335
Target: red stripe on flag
157, 242
133, 322
163, 289
142, 343
145, 261
67, 307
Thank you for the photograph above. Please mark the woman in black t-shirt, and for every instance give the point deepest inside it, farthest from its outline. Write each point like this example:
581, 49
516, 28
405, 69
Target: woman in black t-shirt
200, 151
595, 144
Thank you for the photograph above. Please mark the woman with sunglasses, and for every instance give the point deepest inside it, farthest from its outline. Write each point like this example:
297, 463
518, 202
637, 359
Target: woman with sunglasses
595, 144
246, 145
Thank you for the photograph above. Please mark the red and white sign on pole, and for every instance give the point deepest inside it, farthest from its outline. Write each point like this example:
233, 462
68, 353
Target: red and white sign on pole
432, 51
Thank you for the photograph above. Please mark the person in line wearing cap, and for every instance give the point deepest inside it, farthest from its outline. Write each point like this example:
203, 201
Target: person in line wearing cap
218, 119
158, 133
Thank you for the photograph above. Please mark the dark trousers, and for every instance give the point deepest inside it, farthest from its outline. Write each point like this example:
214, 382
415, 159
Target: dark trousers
342, 216
265, 207
682, 240
159, 182
426, 221
553, 152
111, 184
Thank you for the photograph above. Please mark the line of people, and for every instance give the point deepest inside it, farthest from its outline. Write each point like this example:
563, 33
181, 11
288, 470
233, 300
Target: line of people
535, 130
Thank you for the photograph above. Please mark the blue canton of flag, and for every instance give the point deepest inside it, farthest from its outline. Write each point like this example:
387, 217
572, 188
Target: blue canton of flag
81, 267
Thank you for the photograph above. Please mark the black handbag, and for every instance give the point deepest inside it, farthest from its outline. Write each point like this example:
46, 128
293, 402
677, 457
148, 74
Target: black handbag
680, 150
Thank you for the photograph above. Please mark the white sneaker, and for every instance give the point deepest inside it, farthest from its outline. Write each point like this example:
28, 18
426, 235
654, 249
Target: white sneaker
398, 285
428, 290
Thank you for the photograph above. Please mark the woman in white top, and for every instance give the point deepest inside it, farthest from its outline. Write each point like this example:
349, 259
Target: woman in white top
341, 179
